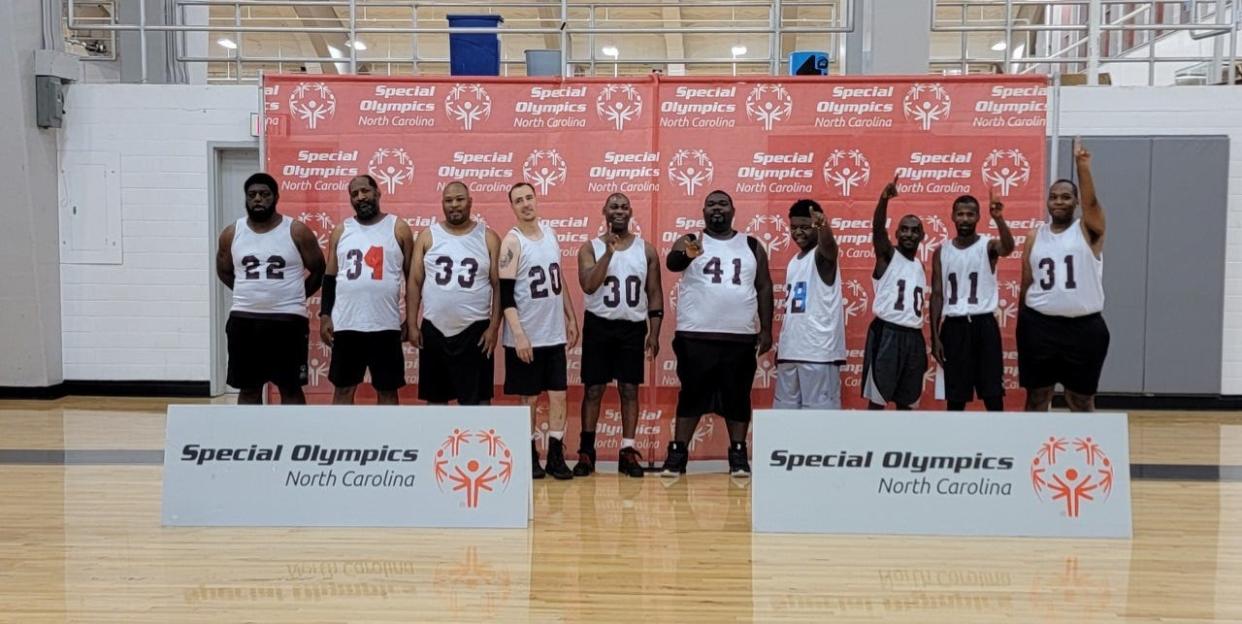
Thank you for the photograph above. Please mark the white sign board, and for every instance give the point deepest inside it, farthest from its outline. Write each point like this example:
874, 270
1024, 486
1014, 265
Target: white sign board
347, 466
938, 473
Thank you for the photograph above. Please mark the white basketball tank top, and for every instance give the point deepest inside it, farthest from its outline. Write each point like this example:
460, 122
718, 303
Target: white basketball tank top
814, 326
538, 291
623, 295
457, 289
368, 277
717, 291
268, 275
1068, 278
900, 294
967, 279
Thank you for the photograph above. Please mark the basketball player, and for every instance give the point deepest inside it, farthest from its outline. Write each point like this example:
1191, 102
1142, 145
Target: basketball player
967, 344
272, 263
620, 275
895, 356
1062, 337
539, 323
811, 348
360, 315
724, 319
461, 317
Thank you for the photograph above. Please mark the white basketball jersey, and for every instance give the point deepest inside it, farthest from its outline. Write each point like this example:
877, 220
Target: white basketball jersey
814, 326
368, 277
1068, 278
717, 291
267, 270
538, 291
901, 292
967, 279
623, 295
457, 289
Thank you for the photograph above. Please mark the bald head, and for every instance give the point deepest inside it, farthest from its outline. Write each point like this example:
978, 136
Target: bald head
456, 203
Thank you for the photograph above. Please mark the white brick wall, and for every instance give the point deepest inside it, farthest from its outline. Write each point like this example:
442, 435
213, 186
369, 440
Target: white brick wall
1122, 111
149, 317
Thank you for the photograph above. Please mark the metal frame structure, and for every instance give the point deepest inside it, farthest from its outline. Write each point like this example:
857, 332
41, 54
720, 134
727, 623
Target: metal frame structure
1092, 29
569, 27
590, 19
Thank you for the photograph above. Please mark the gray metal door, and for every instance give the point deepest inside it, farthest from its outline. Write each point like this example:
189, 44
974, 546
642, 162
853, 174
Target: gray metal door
232, 167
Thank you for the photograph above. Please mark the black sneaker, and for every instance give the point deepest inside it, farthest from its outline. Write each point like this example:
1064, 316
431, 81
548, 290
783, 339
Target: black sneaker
556, 460
675, 461
536, 470
586, 463
739, 465
628, 463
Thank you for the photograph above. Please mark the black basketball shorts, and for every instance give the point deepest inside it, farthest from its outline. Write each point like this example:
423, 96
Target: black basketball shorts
1061, 350
354, 352
267, 348
454, 368
612, 349
716, 376
547, 371
973, 359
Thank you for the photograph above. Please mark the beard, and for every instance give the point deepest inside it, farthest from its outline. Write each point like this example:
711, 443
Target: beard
366, 210
260, 215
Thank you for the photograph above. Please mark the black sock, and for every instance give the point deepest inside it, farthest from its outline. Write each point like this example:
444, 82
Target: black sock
956, 406
586, 441
738, 445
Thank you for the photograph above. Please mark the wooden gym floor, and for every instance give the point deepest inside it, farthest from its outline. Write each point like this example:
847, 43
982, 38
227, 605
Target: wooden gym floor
81, 541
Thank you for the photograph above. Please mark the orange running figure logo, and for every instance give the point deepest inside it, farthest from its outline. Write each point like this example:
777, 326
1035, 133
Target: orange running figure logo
1069, 474
473, 462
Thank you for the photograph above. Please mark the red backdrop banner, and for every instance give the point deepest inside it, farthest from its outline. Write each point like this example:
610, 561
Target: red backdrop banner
666, 143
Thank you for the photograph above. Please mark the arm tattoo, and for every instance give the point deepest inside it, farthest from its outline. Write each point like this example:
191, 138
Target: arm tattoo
507, 258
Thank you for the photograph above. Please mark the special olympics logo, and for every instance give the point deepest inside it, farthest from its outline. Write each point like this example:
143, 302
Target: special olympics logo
769, 104
472, 462
320, 223
619, 104
771, 231
855, 298
312, 102
846, 170
391, 167
468, 103
765, 373
1006, 169
690, 169
1071, 476
1007, 307
544, 169
926, 103
935, 234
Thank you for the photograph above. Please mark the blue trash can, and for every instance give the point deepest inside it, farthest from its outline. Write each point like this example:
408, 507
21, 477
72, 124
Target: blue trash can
474, 54
808, 63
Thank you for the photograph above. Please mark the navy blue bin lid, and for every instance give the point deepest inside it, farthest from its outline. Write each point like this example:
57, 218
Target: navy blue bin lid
479, 21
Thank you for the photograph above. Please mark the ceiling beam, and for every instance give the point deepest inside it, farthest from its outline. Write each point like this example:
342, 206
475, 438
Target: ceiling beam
323, 17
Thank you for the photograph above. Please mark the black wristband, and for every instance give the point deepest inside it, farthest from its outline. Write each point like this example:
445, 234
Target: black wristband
507, 299
328, 301
655, 313
677, 260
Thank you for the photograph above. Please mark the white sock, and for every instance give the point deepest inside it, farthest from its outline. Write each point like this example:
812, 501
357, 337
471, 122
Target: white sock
559, 435
627, 443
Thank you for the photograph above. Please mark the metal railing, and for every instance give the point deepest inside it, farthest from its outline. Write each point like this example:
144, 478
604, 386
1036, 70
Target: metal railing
1074, 45
570, 22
